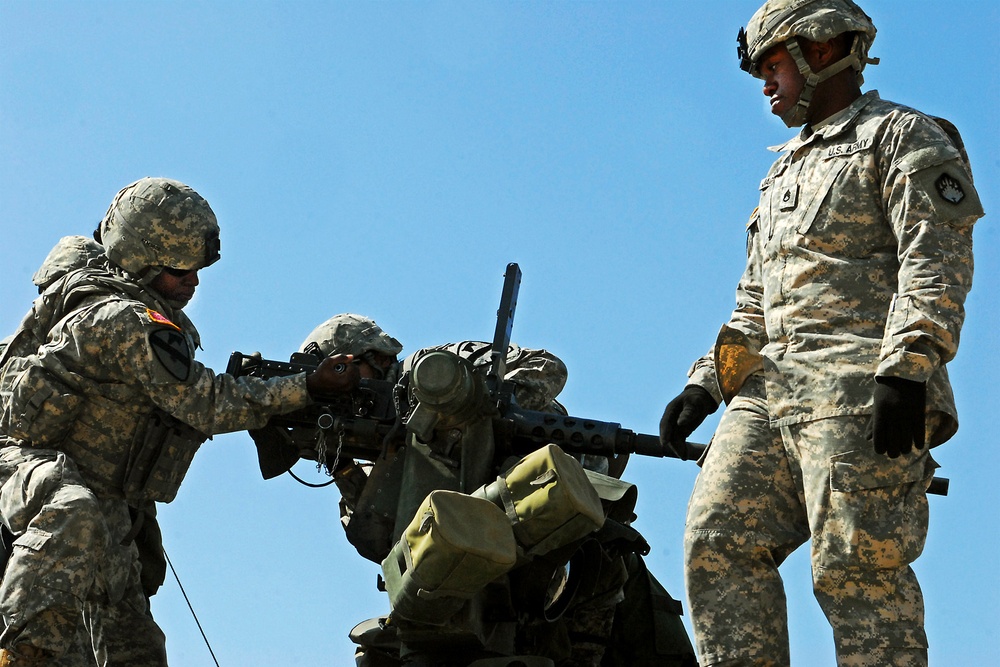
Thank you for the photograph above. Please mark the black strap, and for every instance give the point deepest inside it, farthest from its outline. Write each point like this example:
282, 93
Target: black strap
138, 518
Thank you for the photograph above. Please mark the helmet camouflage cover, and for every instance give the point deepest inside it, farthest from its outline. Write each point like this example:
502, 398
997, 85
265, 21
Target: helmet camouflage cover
781, 21
69, 254
156, 223
350, 334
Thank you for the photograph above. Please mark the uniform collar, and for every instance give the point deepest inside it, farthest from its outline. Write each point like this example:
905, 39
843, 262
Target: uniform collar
829, 127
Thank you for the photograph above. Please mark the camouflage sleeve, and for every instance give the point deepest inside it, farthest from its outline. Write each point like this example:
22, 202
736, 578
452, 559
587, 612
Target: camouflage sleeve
127, 347
538, 376
748, 316
932, 206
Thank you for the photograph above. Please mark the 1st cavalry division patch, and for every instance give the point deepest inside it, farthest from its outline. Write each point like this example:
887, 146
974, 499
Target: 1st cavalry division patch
171, 349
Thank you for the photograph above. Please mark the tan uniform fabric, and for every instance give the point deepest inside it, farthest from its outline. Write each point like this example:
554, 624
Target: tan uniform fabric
129, 355
859, 262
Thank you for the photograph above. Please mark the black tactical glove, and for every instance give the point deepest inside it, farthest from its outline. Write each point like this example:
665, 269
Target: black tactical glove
898, 418
683, 415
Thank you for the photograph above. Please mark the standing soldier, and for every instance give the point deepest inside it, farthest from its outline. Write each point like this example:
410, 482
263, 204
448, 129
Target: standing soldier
102, 407
833, 363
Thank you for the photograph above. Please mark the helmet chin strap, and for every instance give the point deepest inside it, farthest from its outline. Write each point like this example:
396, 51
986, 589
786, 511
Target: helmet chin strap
796, 115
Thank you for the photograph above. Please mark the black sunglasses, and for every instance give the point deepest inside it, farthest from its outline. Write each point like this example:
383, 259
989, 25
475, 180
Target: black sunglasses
178, 273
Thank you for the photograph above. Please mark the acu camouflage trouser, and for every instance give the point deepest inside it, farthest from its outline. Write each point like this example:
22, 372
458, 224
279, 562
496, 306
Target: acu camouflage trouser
761, 493
70, 587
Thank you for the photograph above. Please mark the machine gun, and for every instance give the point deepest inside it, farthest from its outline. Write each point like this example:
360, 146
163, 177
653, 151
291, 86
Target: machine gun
440, 390
363, 420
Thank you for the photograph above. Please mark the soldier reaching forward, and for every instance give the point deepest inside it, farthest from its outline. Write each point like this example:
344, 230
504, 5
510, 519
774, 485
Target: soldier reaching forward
103, 408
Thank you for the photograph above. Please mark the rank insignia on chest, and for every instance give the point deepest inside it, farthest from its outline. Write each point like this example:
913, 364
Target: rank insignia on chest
949, 188
789, 198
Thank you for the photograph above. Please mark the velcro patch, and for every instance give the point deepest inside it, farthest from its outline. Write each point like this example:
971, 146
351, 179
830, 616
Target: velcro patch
843, 150
171, 349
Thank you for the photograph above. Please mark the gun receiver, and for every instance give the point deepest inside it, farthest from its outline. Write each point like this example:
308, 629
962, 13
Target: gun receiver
361, 420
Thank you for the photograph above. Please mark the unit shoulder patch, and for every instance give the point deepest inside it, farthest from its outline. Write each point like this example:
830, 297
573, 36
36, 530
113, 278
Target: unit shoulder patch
158, 318
949, 188
170, 347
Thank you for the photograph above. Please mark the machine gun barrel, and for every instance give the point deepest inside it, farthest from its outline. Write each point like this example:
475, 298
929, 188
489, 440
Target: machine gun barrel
529, 429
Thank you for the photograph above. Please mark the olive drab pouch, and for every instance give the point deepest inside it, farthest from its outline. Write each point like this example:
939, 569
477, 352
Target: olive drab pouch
370, 520
548, 499
159, 458
454, 546
36, 406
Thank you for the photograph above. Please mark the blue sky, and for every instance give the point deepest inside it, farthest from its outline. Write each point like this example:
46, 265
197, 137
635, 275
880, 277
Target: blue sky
390, 158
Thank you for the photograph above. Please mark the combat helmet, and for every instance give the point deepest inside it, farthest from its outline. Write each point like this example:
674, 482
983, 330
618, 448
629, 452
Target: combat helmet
349, 333
781, 21
158, 223
68, 254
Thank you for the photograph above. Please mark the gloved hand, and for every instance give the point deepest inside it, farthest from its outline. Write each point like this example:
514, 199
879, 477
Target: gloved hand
898, 417
683, 415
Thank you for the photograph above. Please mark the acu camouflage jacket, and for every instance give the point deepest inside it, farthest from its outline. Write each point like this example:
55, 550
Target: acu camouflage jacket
104, 338
859, 263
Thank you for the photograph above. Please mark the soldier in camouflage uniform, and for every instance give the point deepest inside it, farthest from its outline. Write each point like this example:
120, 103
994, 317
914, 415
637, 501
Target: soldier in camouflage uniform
380, 498
833, 363
103, 407
68, 254
379, 501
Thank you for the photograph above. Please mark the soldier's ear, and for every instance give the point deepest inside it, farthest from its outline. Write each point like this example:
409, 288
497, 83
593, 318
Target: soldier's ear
819, 55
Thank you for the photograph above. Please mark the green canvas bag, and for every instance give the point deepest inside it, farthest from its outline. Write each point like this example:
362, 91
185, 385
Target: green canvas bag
548, 499
454, 546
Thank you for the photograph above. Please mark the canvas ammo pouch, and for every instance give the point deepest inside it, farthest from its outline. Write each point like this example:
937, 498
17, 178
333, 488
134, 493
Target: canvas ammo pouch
160, 456
37, 406
454, 546
548, 499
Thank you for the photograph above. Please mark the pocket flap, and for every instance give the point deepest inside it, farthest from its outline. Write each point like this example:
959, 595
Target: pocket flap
858, 471
33, 539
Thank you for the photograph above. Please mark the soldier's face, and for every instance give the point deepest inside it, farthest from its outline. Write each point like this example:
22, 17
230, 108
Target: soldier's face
375, 365
783, 82
176, 285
